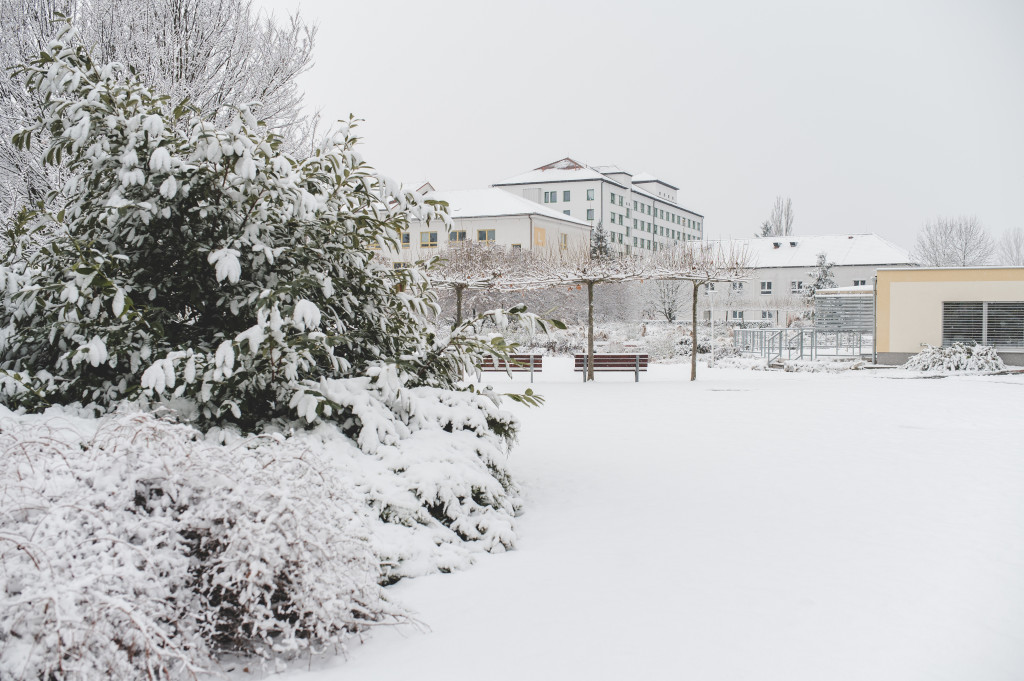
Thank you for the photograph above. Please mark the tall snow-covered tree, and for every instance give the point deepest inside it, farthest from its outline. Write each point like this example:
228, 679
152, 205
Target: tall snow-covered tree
599, 242
203, 262
820, 278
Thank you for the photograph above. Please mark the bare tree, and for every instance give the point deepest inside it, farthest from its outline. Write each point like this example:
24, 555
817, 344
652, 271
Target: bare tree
1011, 247
667, 297
780, 222
215, 53
953, 242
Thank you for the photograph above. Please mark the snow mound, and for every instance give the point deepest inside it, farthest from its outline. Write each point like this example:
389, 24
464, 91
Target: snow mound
956, 357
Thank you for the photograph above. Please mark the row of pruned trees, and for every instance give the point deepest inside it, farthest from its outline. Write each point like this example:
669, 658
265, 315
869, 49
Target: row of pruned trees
474, 267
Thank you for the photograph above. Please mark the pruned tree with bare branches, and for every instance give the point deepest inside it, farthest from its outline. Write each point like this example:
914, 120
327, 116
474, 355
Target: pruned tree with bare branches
702, 263
953, 242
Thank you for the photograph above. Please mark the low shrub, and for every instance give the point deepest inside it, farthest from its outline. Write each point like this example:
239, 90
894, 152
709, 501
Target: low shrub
956, 357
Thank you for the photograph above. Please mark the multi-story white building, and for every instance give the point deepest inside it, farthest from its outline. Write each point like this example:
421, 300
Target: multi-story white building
496, 218
640, 212
782, 266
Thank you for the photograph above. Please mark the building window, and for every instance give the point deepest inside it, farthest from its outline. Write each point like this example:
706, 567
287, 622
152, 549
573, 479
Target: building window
737, 315
550, 197
620, 199
565, 212
860, 282
590, 213
612, 195
486, 235
590, 195
563, 241
517, 247
406, 239
766, 288
565, 196
620, 219
634, 241
1000, 324
737, 286
428, 239
620, 237
613, 217
766, 314
796, 286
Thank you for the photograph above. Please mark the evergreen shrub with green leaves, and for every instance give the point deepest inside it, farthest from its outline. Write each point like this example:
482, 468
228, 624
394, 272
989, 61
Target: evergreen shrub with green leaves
203, 263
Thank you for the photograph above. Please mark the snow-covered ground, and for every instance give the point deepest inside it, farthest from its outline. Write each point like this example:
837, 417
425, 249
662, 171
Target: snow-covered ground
752, 525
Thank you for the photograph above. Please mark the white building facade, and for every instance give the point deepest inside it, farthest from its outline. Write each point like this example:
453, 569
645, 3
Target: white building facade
493, 217
782, 266
640, 213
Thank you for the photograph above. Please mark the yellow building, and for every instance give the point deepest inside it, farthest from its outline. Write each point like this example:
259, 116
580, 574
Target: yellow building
935, 306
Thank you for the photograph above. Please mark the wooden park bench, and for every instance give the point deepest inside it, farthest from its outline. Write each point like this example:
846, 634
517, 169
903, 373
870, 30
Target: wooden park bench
519, 364
635, 363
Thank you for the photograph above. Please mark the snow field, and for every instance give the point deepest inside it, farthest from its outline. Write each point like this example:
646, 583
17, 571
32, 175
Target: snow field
753, 525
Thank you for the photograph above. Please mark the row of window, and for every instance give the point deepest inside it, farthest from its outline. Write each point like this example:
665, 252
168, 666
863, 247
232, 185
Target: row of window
429, 239
618, 200
484, 236
766, 286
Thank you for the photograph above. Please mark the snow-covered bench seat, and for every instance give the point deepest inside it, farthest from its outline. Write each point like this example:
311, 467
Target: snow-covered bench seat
632, 362
519, 364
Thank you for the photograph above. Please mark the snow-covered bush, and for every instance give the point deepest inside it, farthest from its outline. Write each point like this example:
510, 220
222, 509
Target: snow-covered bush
135, 548
956, 357
204, 263
741, 362
821, 366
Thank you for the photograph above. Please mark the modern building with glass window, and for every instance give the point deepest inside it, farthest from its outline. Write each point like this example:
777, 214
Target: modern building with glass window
640, 213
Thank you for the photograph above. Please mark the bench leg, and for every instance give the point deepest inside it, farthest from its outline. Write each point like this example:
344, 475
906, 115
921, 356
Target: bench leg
637, 370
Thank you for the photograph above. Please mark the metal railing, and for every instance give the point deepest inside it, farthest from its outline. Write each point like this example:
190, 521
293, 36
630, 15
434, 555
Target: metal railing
800, 343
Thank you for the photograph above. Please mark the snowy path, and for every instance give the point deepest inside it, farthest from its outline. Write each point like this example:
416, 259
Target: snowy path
750, 526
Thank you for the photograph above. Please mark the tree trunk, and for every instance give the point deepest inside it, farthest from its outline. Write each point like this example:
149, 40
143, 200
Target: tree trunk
590, 331
693, 334
458, 305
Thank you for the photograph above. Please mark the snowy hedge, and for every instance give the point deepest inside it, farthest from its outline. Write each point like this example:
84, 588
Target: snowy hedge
956, 357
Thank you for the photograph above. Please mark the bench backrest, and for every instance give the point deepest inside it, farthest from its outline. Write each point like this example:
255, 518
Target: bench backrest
519, 363
614, 362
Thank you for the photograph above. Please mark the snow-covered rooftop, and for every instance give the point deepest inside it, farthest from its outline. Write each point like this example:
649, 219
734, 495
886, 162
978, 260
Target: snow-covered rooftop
647, 177
557, 175
491, 202
569, 170
801, 250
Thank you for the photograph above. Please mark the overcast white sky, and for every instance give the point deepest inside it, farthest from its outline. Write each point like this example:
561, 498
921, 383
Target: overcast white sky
872, 116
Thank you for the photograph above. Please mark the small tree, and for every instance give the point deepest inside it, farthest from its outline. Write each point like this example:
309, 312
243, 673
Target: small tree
953, 242
667, 297
820, 278
599, 242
